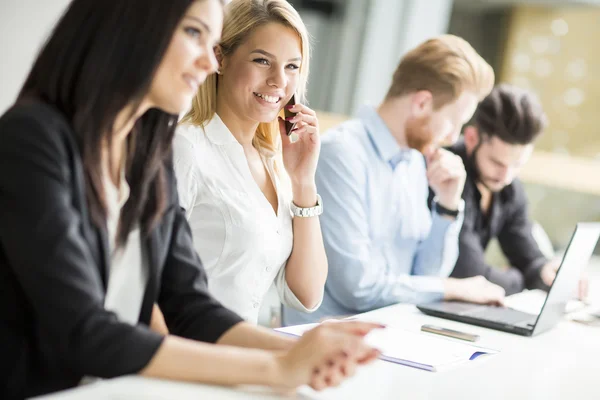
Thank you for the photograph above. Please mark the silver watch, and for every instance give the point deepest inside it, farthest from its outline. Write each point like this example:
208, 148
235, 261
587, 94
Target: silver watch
308, 211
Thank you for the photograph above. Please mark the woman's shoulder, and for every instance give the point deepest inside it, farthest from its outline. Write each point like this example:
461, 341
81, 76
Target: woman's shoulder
35, 125
33, 112
190, 132
188, 140
194, 155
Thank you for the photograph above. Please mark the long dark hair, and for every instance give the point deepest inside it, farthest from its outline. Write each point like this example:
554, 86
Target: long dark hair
101, 58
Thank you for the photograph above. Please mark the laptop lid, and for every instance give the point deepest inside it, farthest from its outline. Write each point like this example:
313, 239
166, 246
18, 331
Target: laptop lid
576, 257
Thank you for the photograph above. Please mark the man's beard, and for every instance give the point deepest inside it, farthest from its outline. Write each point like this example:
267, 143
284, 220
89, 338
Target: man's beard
479, 178
419, 135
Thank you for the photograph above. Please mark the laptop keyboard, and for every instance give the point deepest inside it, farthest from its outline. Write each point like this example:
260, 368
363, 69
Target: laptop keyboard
500, 314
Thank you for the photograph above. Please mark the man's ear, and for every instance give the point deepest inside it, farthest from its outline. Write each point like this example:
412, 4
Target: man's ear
471, 137
421, 103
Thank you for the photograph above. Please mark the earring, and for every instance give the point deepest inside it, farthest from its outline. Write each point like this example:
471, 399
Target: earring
218, 71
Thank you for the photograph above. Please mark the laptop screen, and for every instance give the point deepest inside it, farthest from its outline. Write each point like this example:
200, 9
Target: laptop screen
576, 257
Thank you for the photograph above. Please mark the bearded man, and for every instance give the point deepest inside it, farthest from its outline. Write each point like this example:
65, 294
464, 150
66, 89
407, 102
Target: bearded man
383, 244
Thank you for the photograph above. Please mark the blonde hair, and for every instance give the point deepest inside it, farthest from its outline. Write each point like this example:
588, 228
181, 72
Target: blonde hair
242, 17
445, 66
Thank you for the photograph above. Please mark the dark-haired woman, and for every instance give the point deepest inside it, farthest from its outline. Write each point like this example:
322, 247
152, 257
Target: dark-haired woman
91, 234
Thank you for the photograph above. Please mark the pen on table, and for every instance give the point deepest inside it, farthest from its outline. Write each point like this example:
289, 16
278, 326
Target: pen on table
450, 333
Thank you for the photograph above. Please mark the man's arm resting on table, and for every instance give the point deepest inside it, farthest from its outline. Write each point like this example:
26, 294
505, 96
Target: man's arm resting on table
471, 262
518, 244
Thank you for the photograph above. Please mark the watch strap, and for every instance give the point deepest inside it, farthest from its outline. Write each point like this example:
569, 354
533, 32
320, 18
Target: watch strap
441, 210
306, 212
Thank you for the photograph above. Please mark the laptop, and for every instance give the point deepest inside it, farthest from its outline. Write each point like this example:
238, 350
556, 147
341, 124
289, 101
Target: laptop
578, 254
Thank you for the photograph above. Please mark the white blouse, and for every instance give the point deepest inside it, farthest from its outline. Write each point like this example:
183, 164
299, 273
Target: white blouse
243, 244
128, 273
128, 266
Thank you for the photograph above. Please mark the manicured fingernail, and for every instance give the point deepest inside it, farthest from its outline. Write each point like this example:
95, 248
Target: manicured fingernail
289, 107
289, 118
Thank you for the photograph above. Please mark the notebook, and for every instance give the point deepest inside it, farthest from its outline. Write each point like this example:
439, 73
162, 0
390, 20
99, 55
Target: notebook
414, 349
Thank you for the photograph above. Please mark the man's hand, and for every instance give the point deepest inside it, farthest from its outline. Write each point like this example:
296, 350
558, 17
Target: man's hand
548, 271
446, 175
474, 290
583, 288
548, 274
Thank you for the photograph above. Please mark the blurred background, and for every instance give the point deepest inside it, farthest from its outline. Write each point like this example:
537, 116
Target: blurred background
548, 46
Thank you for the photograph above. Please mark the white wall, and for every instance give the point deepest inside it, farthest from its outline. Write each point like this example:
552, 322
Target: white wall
24, 25
394, 28
357, 49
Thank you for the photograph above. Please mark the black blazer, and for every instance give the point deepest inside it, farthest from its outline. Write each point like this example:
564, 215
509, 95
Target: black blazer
53, 268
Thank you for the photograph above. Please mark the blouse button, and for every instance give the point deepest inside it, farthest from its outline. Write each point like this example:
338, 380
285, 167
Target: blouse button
255, 305
268, 269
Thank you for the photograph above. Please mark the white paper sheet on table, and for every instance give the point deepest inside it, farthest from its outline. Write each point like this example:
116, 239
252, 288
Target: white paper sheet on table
414, 349
532, 301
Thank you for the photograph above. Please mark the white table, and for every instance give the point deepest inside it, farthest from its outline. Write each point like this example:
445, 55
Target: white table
563, 363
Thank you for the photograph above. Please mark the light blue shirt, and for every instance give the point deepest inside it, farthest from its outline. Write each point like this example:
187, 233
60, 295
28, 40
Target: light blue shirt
383, 244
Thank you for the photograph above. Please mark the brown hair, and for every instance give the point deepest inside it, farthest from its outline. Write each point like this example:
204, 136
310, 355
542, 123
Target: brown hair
512, 114
446, 66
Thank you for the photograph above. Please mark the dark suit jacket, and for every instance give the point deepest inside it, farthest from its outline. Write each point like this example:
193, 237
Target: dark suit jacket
53, 268
508, 221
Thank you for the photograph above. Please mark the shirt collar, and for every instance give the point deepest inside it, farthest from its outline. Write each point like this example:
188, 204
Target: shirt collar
219, 134
382, 138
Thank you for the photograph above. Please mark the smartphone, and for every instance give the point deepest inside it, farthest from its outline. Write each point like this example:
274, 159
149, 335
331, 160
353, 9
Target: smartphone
288, 114
450, 333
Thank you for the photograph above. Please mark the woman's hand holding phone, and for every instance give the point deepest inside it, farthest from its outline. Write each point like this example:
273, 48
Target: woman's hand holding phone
301, 156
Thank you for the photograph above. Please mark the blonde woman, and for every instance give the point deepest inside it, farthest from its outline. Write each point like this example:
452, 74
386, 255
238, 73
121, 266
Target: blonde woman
241, 180
94, 140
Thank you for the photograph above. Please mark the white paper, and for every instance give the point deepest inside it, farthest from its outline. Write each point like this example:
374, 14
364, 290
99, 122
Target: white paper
406, 347
532, 301
528, 301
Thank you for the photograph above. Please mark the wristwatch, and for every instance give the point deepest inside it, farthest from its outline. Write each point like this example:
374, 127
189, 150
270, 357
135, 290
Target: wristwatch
441, 210
305, 212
